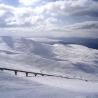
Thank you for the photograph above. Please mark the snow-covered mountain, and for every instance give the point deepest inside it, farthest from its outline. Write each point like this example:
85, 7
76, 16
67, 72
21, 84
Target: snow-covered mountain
71, 60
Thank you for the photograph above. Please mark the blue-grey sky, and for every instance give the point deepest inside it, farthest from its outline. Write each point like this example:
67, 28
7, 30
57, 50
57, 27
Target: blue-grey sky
52, 17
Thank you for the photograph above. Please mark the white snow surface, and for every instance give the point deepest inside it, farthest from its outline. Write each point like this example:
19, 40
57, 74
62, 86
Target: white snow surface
75, 61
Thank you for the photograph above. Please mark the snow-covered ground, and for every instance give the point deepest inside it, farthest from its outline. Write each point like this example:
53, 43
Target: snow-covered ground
21, 87
71, 60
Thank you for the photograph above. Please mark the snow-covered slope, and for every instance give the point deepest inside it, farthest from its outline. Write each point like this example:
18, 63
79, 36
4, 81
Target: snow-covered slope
21, 87
71, 60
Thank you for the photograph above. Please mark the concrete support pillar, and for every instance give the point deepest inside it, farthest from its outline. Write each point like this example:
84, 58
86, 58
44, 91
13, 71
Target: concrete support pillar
26, 74
15, 72
35, 74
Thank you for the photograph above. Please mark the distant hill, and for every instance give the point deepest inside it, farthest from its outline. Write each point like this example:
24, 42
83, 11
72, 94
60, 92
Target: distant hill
89, 42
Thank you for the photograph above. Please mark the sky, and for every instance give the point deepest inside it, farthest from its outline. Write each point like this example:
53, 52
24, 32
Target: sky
49, 17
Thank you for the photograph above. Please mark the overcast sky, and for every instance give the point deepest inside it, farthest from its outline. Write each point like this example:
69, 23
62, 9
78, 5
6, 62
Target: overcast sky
49, 17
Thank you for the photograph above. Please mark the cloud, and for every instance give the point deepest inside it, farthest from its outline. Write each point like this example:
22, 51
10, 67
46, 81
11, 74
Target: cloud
87, 29
26, 16
17, 16
22, 17
70, 7
6, 12
28, 2
86, 25
47, 16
